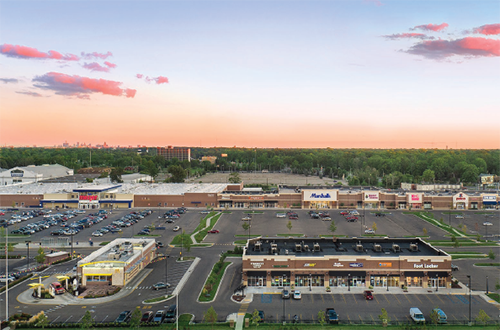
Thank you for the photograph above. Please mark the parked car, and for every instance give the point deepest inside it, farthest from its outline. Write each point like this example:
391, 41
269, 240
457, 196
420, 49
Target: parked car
97, 233
3, 279
285, 294
487, 223
262, 315
58, 288
123, 317
369, 231
176, 228
454, 267
344, 212
441, 316
159, 316
416, 315
332, 316
459, 216
161, 285
368, 295
147, 316
297, 295
379, 214
280, 215
247, 218
171, 314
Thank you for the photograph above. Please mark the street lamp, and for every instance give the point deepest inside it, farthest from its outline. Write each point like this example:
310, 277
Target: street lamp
348, 282
28, 248
437, 282
310, 282
470, 306
487, 291
166, 269
182, 241
284, 310
387, 282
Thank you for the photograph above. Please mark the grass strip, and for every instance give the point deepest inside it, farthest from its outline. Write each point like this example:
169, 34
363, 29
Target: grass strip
491, 264
464, 244
458, 256
213, 281
251, 236
289, 235
158, 299
104, 243
494, 296
200, 236
429, 217
464, 252
240, 242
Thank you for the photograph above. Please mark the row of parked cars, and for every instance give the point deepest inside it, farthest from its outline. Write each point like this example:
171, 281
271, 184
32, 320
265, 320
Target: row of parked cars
168, 315
320, 215
126, 221
77, 226
48, 221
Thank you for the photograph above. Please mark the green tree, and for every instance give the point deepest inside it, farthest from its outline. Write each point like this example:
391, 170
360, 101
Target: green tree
374, 227
152, 169
87, 321
40, 257
210, 316
255, 318
333, 227
42, 321
321, 317
186, 241
425, 231
482, 317
289, 225
177, 172
491, 255
384, 316
135, 319
116, 174
245, 225
434, 316
428, 176
497, 285
234, 177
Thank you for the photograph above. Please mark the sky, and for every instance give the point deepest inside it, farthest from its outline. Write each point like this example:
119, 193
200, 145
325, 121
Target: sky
270, 74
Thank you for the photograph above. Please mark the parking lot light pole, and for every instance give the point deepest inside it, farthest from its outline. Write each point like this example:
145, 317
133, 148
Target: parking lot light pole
28, 248
166, 269
487, 291
437, 282
387, 282
470, 306
348, 282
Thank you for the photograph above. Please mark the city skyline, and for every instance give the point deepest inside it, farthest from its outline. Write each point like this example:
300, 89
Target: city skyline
338, 74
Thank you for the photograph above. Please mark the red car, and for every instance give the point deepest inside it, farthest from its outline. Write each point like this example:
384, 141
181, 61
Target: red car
213, 231
368, 295
344, 213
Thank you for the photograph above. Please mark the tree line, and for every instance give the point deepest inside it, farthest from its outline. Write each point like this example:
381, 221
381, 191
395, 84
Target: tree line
374, 167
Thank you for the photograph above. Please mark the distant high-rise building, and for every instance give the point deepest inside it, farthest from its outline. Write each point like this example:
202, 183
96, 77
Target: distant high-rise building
169, 153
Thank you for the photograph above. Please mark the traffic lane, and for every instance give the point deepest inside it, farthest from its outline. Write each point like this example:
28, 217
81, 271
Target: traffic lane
354, 307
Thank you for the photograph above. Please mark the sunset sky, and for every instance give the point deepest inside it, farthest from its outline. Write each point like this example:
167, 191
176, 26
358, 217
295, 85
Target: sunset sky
340, 74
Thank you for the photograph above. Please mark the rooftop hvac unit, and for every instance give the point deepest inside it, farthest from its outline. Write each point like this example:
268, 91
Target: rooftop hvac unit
286, 252
306, 247
258, 246
274, 246
414, 247
298, 247
359, 248
396, 248
377, 247
316, 247
274, 250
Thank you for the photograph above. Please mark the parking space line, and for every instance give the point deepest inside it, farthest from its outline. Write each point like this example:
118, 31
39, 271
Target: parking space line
407, 298
416, 296
385, 296
375, 299
360, 318
440, 298
312, 298
354, 298
372, 317
322, 298
395, 317
333, 297
344, 298
348, 317
455, 317
84, 306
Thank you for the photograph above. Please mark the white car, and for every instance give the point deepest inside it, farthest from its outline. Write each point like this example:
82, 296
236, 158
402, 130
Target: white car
280, 215
487, 223
97, 234
10, 279
297, 295
459, 216
354, 212
369, 231
176, 228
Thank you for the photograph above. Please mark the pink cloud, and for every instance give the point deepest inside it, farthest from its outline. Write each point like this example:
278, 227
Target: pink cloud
34, 94
139, 75
375, 2
488, 29
89, 56
407, 35
80, 87
431, 27
469, 46
110, 65
29, 52
158, 80
95, 67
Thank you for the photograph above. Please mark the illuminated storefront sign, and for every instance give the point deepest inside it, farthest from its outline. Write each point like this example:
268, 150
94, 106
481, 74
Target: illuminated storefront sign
356, 264
424, 266
338, 264
321, 195
88, 198
385, 264
371, 196
310, 265
257, 264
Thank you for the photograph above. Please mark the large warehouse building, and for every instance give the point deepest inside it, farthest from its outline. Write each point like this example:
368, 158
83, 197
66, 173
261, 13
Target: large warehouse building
343, 262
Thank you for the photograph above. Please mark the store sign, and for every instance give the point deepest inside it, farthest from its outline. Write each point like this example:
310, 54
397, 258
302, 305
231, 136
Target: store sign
490, 198
460, 197
385, 264
88, 198
257, 264
371, 196
337, 264
487, 179
310, 265
280, 266
415, 198
16, 174
256, 197
322, 195
424, 266
356, 265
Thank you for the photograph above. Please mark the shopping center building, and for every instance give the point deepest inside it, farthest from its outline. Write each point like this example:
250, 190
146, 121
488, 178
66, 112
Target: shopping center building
343, 262
117, 262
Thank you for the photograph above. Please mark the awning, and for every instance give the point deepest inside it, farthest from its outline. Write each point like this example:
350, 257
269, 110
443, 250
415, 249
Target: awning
346, 273
256, 273
280, 273
437, 274
414, 274
97, 274
490, 203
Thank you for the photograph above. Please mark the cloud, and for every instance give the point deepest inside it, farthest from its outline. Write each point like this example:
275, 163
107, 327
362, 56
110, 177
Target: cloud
9, 80
469, 46
488, 29
34, 94
28, 52
139, 75
431, 27
158, 80
375, 2
89, 56
95, 67
110, 65
80, 87
407, 35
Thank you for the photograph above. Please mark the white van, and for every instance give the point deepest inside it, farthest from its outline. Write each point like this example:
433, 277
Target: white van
416, 315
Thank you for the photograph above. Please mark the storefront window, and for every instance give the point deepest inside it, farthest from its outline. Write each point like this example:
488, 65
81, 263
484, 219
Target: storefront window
414, 281
381, 281
305, 280
280, 281
256, 281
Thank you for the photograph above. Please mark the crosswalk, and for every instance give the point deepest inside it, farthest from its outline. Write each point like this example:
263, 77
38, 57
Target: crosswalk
53, 309
138, 287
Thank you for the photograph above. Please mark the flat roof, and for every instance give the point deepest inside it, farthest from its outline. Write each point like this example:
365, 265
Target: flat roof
119, 251
373, 247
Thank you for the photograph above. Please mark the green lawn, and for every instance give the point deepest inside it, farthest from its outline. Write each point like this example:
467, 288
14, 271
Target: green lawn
157, 299
211, 295
491, 264
494, 296
290, 235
